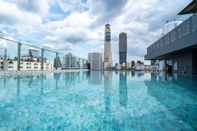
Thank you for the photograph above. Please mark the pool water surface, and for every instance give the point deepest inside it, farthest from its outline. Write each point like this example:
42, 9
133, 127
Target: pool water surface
98, 101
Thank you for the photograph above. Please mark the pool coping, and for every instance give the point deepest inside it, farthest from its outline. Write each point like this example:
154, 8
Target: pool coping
33, 72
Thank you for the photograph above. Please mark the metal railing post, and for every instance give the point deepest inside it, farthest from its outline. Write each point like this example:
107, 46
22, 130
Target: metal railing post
19, 56
42, 59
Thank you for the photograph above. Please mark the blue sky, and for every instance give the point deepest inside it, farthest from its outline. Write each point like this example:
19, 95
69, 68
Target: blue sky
77, 26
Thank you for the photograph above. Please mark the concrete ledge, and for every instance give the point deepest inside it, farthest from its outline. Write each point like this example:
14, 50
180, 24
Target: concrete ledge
22, 73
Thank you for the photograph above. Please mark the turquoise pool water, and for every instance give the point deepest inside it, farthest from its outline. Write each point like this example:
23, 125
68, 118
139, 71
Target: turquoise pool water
97, 101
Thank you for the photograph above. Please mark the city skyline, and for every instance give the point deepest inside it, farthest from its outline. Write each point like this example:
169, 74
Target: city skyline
46, 22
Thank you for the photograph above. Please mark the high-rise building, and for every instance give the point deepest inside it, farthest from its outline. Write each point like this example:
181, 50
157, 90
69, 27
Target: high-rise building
107, 48
70, 61
95, 60
123, 48
57, 63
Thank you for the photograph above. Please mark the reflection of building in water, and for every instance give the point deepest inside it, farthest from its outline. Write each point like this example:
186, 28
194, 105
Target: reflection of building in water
107, 90
123, 96
77, 77
95, 77
42, 78
3, 82
178, 99
108, 100
111, 121
71, 78
163, 76
18, 84
30, 80
56, 77
132, 73
140, 73
84, 75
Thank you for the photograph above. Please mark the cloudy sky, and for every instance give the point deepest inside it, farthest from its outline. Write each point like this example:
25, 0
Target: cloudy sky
77, 26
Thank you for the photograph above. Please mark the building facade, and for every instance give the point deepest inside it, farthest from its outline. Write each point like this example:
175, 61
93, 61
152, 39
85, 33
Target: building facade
95, 60
11, 65
69, 61
83, 63
139, 66
177, 50
107, 48
122, 48
57, 64
28, 66
72, 62
29, 62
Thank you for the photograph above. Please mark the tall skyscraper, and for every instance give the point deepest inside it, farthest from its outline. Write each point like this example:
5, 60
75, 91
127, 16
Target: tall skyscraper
107, 48
123, 48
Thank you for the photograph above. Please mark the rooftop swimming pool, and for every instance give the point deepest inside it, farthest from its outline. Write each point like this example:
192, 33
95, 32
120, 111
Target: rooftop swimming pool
98, 101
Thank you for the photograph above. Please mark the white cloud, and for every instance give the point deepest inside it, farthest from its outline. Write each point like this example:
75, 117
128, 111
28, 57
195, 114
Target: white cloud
72, 5
14, 21
73, 28
10, 14
40, 7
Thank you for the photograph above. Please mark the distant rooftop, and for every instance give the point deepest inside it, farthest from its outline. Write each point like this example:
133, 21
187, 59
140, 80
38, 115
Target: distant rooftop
191, 8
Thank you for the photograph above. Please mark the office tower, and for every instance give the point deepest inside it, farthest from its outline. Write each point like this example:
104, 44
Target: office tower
69, 61
95, 60
107, 48
57, 63
123, 48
